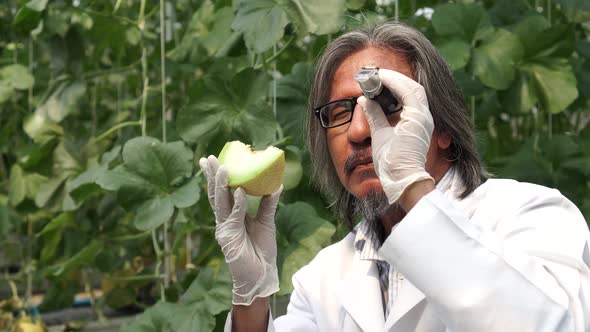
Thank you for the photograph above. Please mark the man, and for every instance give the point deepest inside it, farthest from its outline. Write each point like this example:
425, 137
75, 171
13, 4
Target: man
441, 248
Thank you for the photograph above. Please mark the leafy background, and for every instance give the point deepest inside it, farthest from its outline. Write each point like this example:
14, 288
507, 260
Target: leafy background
106, 105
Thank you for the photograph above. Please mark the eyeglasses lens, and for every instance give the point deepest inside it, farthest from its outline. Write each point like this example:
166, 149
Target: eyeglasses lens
336, 113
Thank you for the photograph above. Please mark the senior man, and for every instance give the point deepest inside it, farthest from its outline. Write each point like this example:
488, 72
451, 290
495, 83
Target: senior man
440, 246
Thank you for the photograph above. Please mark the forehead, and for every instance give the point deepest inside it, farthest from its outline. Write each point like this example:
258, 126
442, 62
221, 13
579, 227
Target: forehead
343, 83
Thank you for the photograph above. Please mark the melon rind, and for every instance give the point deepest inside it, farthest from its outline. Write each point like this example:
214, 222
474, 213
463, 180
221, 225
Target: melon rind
259, 173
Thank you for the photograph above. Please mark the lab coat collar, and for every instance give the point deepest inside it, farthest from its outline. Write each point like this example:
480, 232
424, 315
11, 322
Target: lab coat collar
408, 297
360, 284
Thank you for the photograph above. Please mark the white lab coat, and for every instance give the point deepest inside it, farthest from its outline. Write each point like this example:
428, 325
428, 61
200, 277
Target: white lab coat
510, 257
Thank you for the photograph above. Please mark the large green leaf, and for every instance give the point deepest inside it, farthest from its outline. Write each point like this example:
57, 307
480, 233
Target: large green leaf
261, 21
456, 53
292, 93
521, 96
316, 17
540, 39
237, 107
208, 295
154, 319
469, 22
494, 60
153, 179
301, 233
555, 83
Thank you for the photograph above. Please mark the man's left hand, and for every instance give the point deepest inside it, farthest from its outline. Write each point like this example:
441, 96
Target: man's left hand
399, 152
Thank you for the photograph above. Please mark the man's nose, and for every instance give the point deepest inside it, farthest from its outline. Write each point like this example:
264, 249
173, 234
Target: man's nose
358, 130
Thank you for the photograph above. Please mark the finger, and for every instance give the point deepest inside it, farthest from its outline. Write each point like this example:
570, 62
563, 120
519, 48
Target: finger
204, 164
223, 204
410, 92
240, 208
373, 113
268, 206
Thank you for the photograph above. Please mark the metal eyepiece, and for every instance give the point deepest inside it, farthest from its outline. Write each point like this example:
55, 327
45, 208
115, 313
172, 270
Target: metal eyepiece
369, 82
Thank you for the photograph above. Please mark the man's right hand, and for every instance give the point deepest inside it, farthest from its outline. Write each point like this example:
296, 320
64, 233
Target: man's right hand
248, 244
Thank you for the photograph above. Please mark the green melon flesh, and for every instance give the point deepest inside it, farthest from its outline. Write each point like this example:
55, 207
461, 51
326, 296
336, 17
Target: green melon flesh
259, 173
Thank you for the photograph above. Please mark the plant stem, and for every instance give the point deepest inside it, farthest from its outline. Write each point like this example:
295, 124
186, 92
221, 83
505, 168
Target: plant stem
89, 289
93, 109
144, 74
163, 67
276, 55
29, 264
116, 128
158, 264
30, 97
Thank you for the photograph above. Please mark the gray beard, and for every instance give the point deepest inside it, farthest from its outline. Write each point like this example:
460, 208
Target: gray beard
371, 208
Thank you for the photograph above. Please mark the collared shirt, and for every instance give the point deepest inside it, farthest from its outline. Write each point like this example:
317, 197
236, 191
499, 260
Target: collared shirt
367, 245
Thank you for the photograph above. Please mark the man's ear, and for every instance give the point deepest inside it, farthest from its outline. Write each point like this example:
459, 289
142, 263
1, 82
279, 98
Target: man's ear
443, 140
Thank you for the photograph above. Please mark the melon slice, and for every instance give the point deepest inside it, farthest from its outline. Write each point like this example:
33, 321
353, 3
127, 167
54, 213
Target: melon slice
259, 173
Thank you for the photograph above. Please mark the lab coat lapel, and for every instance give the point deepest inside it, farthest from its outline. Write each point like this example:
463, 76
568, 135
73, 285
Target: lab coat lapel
360, 295
408, 297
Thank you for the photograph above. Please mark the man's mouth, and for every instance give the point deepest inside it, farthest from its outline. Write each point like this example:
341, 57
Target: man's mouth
359, 163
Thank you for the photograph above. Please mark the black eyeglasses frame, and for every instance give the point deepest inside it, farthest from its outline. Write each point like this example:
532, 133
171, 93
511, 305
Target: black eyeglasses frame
319, 108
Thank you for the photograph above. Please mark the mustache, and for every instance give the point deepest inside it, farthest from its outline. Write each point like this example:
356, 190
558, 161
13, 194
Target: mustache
358, 157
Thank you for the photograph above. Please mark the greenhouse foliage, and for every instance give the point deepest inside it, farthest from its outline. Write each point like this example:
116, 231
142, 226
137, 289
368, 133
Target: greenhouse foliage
106, 106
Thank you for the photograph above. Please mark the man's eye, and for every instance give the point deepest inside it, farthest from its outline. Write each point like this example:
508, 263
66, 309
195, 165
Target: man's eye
339, 113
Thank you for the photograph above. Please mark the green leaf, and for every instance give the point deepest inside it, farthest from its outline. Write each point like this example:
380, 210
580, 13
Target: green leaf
63, 101
237, 107
494, 60
208, 295
470, 85
261, 21
540, 39
17, 76
161, 164
59, 295
521, 96
120, 297
470, 22
293, 168
576, 10
188, 194
18, 189
153, 213
456, 53
28, 16
41, 129
555, 83
59, 223
292, 93
154, 319
355, 4
83, 258
315, 17
48, 189
301, 233
148, 180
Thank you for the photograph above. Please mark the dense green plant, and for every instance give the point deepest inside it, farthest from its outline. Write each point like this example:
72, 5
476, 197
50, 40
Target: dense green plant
106, 105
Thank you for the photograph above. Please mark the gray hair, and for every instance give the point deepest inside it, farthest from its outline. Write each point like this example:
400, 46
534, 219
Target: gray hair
446, 101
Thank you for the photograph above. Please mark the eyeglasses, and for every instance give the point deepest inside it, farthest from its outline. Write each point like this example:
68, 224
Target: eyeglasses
339, 112
336, 113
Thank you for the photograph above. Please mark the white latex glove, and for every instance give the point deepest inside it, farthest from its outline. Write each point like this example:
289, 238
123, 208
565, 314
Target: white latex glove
248, 244
399, 153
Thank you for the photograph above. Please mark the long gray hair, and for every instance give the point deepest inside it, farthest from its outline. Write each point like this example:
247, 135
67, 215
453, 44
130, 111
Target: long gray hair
444, 97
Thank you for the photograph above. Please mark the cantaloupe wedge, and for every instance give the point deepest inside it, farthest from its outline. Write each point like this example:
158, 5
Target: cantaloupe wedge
259, 173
